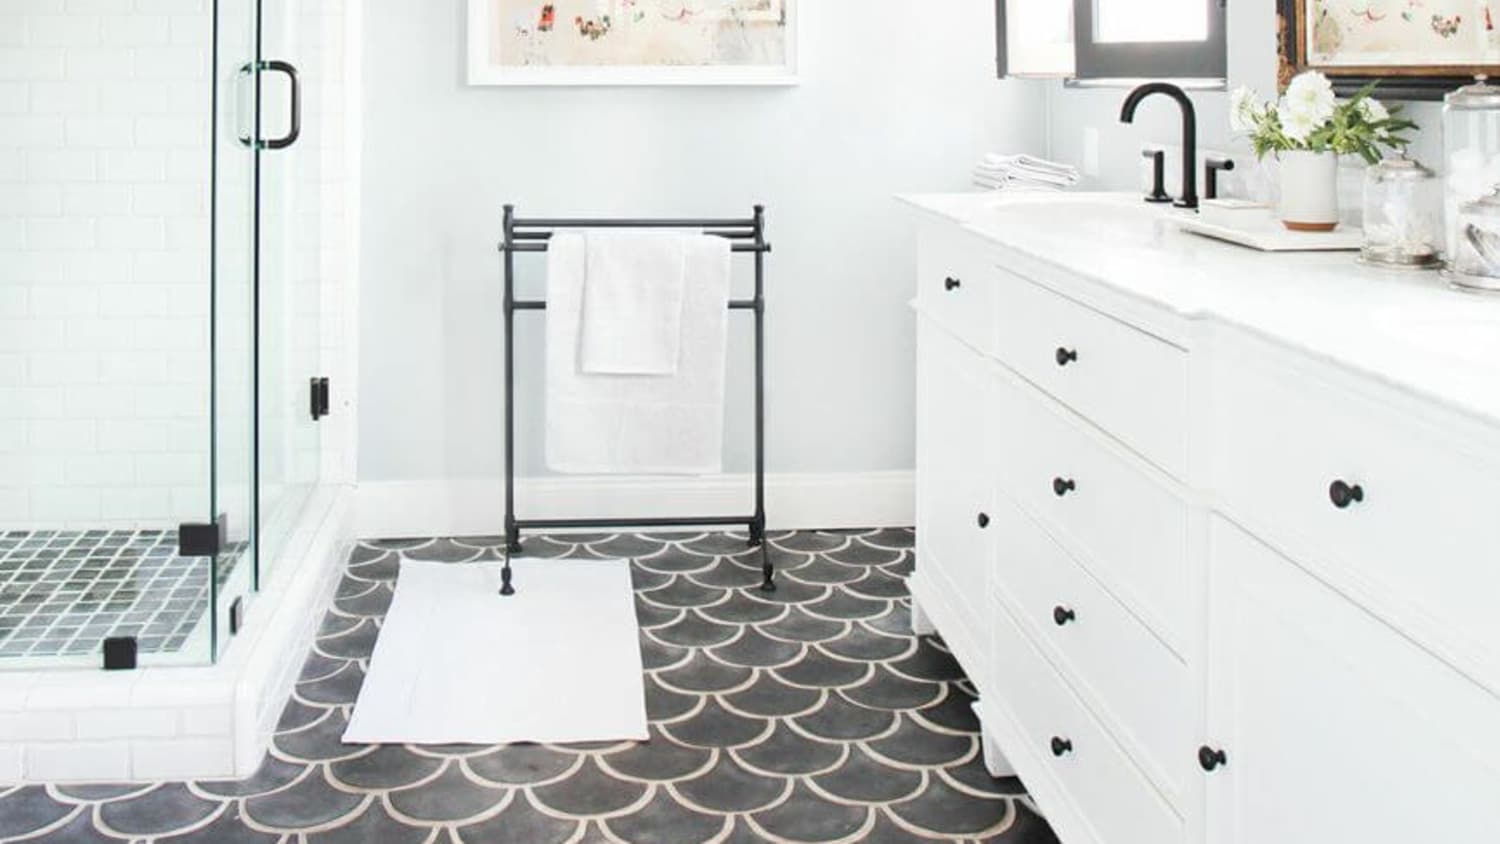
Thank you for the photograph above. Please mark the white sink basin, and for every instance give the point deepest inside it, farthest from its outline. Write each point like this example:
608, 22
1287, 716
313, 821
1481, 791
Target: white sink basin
1099, 218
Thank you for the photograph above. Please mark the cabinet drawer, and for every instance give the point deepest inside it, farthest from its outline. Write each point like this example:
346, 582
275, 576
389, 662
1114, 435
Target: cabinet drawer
955, 287
1142, 691
1417, 547
1109, 793
1123, 380
1129, 527
953, 551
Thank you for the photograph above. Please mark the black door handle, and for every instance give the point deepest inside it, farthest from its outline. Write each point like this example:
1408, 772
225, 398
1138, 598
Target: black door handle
1063, 615
984, 520
1210, 759
295, 130
951, 283
1061, 746
1066, 356
1063, 486
1343, 494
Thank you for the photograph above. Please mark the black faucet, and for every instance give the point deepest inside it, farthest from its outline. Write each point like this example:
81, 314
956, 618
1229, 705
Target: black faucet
1189, 133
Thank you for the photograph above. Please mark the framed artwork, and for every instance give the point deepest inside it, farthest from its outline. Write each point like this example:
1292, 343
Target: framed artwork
1417, 49
633, 42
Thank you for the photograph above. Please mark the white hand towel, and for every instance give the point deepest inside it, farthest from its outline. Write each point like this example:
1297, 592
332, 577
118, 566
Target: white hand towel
632, 302
638, 424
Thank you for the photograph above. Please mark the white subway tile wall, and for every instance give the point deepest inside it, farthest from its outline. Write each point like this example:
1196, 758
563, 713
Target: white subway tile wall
104, 262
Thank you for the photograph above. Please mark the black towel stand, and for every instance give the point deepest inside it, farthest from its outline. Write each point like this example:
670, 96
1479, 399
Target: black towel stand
528, 235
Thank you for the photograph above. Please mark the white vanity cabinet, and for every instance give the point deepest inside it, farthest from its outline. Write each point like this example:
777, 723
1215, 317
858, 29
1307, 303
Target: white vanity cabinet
1212, 588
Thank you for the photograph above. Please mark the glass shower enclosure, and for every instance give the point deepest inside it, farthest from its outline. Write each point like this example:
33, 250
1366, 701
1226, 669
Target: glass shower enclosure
158, 326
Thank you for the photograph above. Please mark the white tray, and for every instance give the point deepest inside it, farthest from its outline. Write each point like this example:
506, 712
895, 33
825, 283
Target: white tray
1264, 232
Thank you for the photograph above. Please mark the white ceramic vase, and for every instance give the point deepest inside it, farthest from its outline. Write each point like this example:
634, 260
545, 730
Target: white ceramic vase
1309, 190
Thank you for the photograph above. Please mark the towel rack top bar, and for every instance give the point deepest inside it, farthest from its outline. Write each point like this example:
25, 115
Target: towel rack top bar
542, 247
585, 223
731, 234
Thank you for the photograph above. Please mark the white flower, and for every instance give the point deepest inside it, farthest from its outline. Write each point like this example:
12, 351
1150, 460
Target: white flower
1298, 123
1244, 108
1311, 94
1374, 111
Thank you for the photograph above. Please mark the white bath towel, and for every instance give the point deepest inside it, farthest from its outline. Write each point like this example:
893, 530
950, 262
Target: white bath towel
638, 424
632, 302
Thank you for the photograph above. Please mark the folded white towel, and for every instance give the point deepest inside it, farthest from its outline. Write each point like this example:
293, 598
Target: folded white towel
1026, 172
638, 424
632, 302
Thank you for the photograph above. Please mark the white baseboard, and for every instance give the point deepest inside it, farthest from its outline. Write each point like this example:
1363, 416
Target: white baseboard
401, 509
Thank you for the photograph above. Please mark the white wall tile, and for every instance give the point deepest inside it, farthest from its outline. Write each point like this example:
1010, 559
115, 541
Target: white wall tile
78, 761
198, 758
117, 722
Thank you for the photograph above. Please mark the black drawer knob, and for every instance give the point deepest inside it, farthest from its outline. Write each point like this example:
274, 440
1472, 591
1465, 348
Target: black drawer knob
951, 283
984, 520
1066, 356
1061, 746
1344, 494
1063, 486
1063, 615
1210, 759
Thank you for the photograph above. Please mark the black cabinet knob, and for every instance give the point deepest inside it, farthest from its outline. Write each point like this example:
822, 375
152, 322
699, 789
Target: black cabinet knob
1063, 615
951, 283
1210, 759
984, 520
1063, 486
1066, 356
1343, 494
1061, 746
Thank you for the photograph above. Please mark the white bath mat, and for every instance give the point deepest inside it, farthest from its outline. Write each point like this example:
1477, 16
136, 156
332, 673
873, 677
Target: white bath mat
456, 663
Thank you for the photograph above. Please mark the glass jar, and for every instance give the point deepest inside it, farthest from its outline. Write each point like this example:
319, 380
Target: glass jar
1403, 215
1471, 140
1475, 261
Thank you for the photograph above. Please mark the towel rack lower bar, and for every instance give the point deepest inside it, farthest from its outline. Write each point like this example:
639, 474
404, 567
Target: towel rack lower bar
542, 247
654, 522
730, 234
752, 230
540, 305
594, 223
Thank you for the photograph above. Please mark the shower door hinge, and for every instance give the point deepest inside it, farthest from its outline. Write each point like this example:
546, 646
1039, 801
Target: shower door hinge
202, 539
318, 397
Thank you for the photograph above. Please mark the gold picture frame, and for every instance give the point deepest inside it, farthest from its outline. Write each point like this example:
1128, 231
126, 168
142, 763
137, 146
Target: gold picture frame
1401, 75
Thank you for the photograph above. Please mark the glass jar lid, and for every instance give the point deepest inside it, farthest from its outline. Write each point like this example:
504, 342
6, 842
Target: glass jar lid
1401, 169
1485, 206
1480, 95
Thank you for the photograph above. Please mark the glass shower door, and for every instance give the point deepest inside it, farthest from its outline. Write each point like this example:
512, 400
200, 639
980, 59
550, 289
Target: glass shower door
235, 211
290, 273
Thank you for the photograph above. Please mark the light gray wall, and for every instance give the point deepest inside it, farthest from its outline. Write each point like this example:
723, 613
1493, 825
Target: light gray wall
1073, 112
899, 100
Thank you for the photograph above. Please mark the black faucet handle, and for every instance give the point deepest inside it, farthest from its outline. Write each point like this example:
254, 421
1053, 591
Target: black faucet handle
1158, 159
1211, 169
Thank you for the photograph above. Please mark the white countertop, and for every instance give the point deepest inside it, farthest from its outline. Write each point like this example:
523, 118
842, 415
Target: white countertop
1408, 329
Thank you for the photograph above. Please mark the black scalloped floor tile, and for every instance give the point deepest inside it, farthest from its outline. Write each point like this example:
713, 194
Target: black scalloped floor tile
808, 714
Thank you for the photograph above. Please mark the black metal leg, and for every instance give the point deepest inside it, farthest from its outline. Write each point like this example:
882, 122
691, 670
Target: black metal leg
512, 534
506, 588
768, 584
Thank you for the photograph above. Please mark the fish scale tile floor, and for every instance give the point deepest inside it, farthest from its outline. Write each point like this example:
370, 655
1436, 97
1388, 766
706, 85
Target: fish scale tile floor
808, 715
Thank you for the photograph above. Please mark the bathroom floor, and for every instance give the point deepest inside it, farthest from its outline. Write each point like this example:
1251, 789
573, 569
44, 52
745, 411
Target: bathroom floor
807, 715
62, 593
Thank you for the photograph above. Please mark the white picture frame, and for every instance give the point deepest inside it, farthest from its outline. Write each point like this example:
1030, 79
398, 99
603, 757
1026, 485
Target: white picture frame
482, 71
